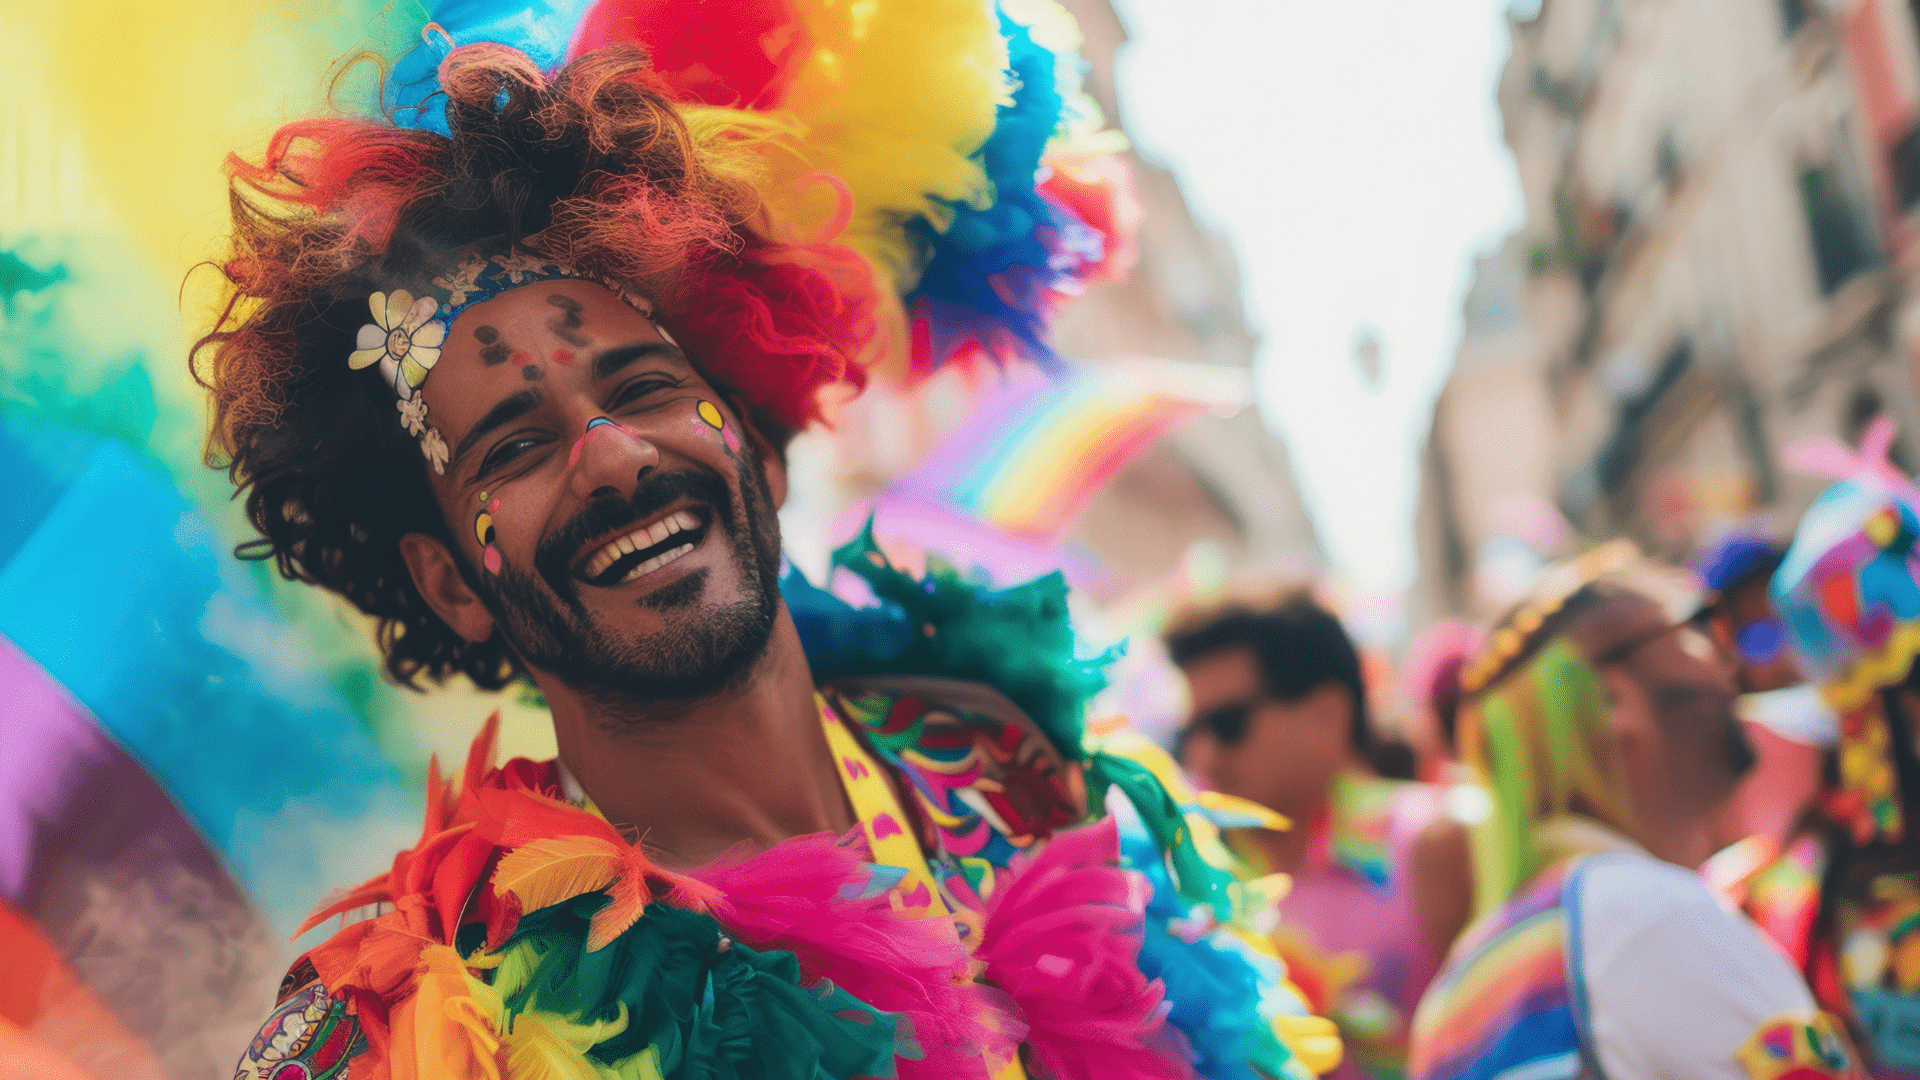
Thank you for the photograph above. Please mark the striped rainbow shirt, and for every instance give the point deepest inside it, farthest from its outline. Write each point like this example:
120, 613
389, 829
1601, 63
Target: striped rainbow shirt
1503, 1007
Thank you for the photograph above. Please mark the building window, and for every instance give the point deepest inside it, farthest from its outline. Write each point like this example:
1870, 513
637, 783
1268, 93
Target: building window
1840, 248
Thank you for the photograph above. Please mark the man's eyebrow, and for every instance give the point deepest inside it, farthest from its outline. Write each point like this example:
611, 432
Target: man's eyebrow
510, 408
611, 360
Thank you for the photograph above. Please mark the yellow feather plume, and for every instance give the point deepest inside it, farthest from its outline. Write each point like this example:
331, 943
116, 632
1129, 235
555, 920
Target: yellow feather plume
545, 872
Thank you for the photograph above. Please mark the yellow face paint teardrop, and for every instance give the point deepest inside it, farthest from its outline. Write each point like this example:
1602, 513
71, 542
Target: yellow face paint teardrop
483, 528
711, 414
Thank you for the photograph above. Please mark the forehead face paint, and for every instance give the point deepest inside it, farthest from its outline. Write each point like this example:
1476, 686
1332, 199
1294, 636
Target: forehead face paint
483, 532
573, 455
710, 413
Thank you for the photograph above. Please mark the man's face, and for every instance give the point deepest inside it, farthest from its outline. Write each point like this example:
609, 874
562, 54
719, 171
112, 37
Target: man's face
1679, 727
608, 505
1243, 742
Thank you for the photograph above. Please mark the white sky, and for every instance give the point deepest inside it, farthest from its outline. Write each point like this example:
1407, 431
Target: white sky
1351, 150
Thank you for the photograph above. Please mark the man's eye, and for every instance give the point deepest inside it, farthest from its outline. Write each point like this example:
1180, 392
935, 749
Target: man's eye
505, 453
634, 391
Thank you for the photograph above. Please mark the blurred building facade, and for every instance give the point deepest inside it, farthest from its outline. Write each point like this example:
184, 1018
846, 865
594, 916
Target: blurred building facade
1221, 485
1716, 261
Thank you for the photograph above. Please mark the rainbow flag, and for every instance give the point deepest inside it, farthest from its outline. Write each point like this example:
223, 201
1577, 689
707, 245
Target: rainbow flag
1035, 451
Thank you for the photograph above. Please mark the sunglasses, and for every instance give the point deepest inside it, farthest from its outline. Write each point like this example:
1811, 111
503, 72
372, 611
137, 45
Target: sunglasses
1226, 723
1761, 641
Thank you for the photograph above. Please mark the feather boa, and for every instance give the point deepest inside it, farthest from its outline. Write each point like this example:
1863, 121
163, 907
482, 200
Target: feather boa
1063, 937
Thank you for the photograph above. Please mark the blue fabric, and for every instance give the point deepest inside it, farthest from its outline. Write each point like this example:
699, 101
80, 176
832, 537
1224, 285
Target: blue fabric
540, 28
116, 585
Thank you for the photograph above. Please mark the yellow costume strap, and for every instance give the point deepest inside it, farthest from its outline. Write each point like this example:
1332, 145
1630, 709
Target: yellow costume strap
882, 818
888, 832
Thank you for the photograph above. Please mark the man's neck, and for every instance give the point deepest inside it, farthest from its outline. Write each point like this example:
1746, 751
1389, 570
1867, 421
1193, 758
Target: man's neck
749, 764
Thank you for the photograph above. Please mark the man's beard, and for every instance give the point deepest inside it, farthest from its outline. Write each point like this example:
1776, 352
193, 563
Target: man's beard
702, 652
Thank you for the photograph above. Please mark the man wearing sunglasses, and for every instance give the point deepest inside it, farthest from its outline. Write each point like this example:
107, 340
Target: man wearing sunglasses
1280, 717
1601, 719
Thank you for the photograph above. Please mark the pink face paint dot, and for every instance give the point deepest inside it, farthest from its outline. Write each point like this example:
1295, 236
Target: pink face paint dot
562, 356
494, 507
573, 455
491, 557
521, 356
733, 441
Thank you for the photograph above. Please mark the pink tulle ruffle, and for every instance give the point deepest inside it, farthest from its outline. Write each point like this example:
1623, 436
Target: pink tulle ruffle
1063, 937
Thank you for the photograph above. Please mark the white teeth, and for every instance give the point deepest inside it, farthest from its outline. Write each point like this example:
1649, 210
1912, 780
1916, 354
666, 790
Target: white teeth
655, 563
640, 539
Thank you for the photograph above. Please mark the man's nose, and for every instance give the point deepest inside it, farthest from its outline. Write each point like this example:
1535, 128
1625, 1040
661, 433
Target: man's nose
607, 458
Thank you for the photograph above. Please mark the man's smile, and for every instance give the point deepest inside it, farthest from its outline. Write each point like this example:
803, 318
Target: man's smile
644, 548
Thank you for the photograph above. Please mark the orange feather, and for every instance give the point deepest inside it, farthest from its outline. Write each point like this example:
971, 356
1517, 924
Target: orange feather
551, 869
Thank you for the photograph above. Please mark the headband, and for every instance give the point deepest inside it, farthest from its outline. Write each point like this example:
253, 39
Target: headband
408, 331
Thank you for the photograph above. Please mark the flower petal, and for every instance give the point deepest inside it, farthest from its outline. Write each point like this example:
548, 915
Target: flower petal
420, 312
370, 337
377, 302
425, 357
430, 335
413, 373
398, 301
390, 371
360, 358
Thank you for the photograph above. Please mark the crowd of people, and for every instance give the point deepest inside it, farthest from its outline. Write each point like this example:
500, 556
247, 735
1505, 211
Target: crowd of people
1681, 849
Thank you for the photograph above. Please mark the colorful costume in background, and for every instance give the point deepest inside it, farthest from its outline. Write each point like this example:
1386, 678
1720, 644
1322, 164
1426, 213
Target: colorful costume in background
1591, 957
1349, 930
1844, 900
980, 922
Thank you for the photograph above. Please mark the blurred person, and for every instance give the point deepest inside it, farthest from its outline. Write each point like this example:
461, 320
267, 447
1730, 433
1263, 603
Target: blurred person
555, 454
1601, 718
1280, 718
1844, 900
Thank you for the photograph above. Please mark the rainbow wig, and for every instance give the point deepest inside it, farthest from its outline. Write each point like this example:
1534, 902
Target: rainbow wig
782, 182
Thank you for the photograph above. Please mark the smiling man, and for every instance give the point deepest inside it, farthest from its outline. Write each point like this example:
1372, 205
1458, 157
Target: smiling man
521, 393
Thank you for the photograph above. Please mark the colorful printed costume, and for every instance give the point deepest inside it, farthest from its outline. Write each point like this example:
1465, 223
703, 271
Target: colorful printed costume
1592, 958
524, 934
1844, 898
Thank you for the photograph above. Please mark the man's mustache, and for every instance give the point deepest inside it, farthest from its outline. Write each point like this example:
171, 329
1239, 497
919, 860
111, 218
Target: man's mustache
655, 492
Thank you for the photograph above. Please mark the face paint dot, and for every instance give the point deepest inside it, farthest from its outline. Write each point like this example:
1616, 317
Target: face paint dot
733, 441
483, 498
491, 557
711, 414
562, 356
521, 356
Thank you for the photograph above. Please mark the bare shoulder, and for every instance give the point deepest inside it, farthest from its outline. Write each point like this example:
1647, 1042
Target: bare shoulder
309, 1036
1441, 877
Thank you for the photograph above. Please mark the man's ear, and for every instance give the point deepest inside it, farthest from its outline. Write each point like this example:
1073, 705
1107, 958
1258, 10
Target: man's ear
1630, 712
438, 578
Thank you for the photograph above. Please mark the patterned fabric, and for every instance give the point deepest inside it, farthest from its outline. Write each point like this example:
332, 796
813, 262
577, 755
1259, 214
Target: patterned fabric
1797, 1048
986, 783
1879, 959
1784, 896
308, 1037
1504, 1006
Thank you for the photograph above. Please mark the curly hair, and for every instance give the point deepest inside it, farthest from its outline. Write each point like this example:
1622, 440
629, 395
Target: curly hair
593, 166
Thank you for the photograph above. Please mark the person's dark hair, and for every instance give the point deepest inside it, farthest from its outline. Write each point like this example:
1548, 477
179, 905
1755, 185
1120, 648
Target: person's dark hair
1298, 645
592, 166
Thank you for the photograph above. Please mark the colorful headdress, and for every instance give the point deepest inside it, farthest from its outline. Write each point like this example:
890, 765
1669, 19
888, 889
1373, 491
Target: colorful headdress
1851, 601
968, 166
